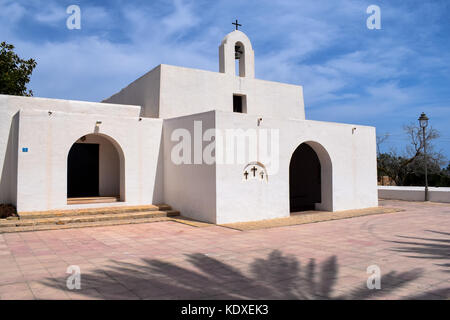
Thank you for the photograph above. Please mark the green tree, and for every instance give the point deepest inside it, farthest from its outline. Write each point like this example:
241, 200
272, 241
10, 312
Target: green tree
14, 72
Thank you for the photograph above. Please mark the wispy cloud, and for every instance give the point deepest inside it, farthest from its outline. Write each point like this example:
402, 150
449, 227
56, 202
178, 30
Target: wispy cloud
51, 14
181, 18
11, 11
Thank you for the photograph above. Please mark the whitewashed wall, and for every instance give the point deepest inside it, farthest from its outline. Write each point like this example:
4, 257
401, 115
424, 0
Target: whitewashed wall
185, 91
414, 193
353, 169
9, 130
218, 193
190, 188
144, 92
37, 180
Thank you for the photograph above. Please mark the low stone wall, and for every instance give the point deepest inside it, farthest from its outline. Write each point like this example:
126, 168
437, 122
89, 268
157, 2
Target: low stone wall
414, 193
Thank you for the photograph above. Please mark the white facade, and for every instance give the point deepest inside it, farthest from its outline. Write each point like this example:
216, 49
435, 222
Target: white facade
135, 131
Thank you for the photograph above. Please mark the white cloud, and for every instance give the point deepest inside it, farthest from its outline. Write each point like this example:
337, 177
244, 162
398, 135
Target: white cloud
11, 11
51, 14
181, 18
96, 16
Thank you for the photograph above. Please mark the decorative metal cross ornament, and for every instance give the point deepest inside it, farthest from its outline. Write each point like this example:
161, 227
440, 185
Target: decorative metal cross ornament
237, 24
254, 169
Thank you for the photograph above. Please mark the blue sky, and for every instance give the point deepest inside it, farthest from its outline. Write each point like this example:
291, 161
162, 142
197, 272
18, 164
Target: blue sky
384, 78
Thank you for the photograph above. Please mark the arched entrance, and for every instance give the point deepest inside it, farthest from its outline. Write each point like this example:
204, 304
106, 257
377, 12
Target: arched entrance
310, 180
95, 170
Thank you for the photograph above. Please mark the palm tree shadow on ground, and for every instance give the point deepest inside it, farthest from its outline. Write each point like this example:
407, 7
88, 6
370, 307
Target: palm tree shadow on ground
427, 248
277, 276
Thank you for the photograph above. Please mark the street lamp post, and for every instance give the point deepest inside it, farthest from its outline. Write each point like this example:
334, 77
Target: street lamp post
423, 121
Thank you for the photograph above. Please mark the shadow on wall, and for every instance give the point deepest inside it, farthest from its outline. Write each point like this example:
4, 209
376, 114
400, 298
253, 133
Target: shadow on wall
276, 277
427, 248
158, 187
8, 178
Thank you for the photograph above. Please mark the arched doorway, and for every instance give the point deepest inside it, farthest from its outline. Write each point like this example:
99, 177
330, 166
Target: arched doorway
310, 180
95, 169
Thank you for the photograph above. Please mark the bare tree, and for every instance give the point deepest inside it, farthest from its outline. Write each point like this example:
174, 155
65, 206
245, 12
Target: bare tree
381, 140
411, 161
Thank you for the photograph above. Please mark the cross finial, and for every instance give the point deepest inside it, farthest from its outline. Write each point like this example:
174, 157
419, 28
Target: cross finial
237, 24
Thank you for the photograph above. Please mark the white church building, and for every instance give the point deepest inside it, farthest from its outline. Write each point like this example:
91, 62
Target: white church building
219, 147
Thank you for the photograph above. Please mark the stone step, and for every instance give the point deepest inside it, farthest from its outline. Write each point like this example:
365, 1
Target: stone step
88, 200
92, 211
82, 224
73, 220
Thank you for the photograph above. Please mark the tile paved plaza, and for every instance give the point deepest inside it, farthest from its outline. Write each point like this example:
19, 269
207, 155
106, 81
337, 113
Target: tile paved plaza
169, 260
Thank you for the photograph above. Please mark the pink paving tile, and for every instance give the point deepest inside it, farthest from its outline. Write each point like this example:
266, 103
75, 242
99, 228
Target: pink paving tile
11, 278
21, 286
139, 258
17, 295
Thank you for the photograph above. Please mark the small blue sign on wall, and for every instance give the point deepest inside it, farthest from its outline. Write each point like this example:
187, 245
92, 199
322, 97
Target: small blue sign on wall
24, 149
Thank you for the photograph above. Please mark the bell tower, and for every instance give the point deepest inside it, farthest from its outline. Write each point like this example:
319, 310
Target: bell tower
237, 46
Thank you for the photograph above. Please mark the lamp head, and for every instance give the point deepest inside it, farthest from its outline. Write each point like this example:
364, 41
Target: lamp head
423, 120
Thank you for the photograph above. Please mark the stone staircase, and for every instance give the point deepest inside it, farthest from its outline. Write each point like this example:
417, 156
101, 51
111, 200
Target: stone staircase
92, 217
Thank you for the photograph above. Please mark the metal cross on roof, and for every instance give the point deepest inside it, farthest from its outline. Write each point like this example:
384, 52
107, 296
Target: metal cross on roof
237, 24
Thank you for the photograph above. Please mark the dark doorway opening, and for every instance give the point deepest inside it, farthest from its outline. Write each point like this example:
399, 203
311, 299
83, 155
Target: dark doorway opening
305, 187
83, 170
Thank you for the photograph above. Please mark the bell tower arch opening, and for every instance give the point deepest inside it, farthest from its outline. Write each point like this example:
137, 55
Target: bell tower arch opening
239, 56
